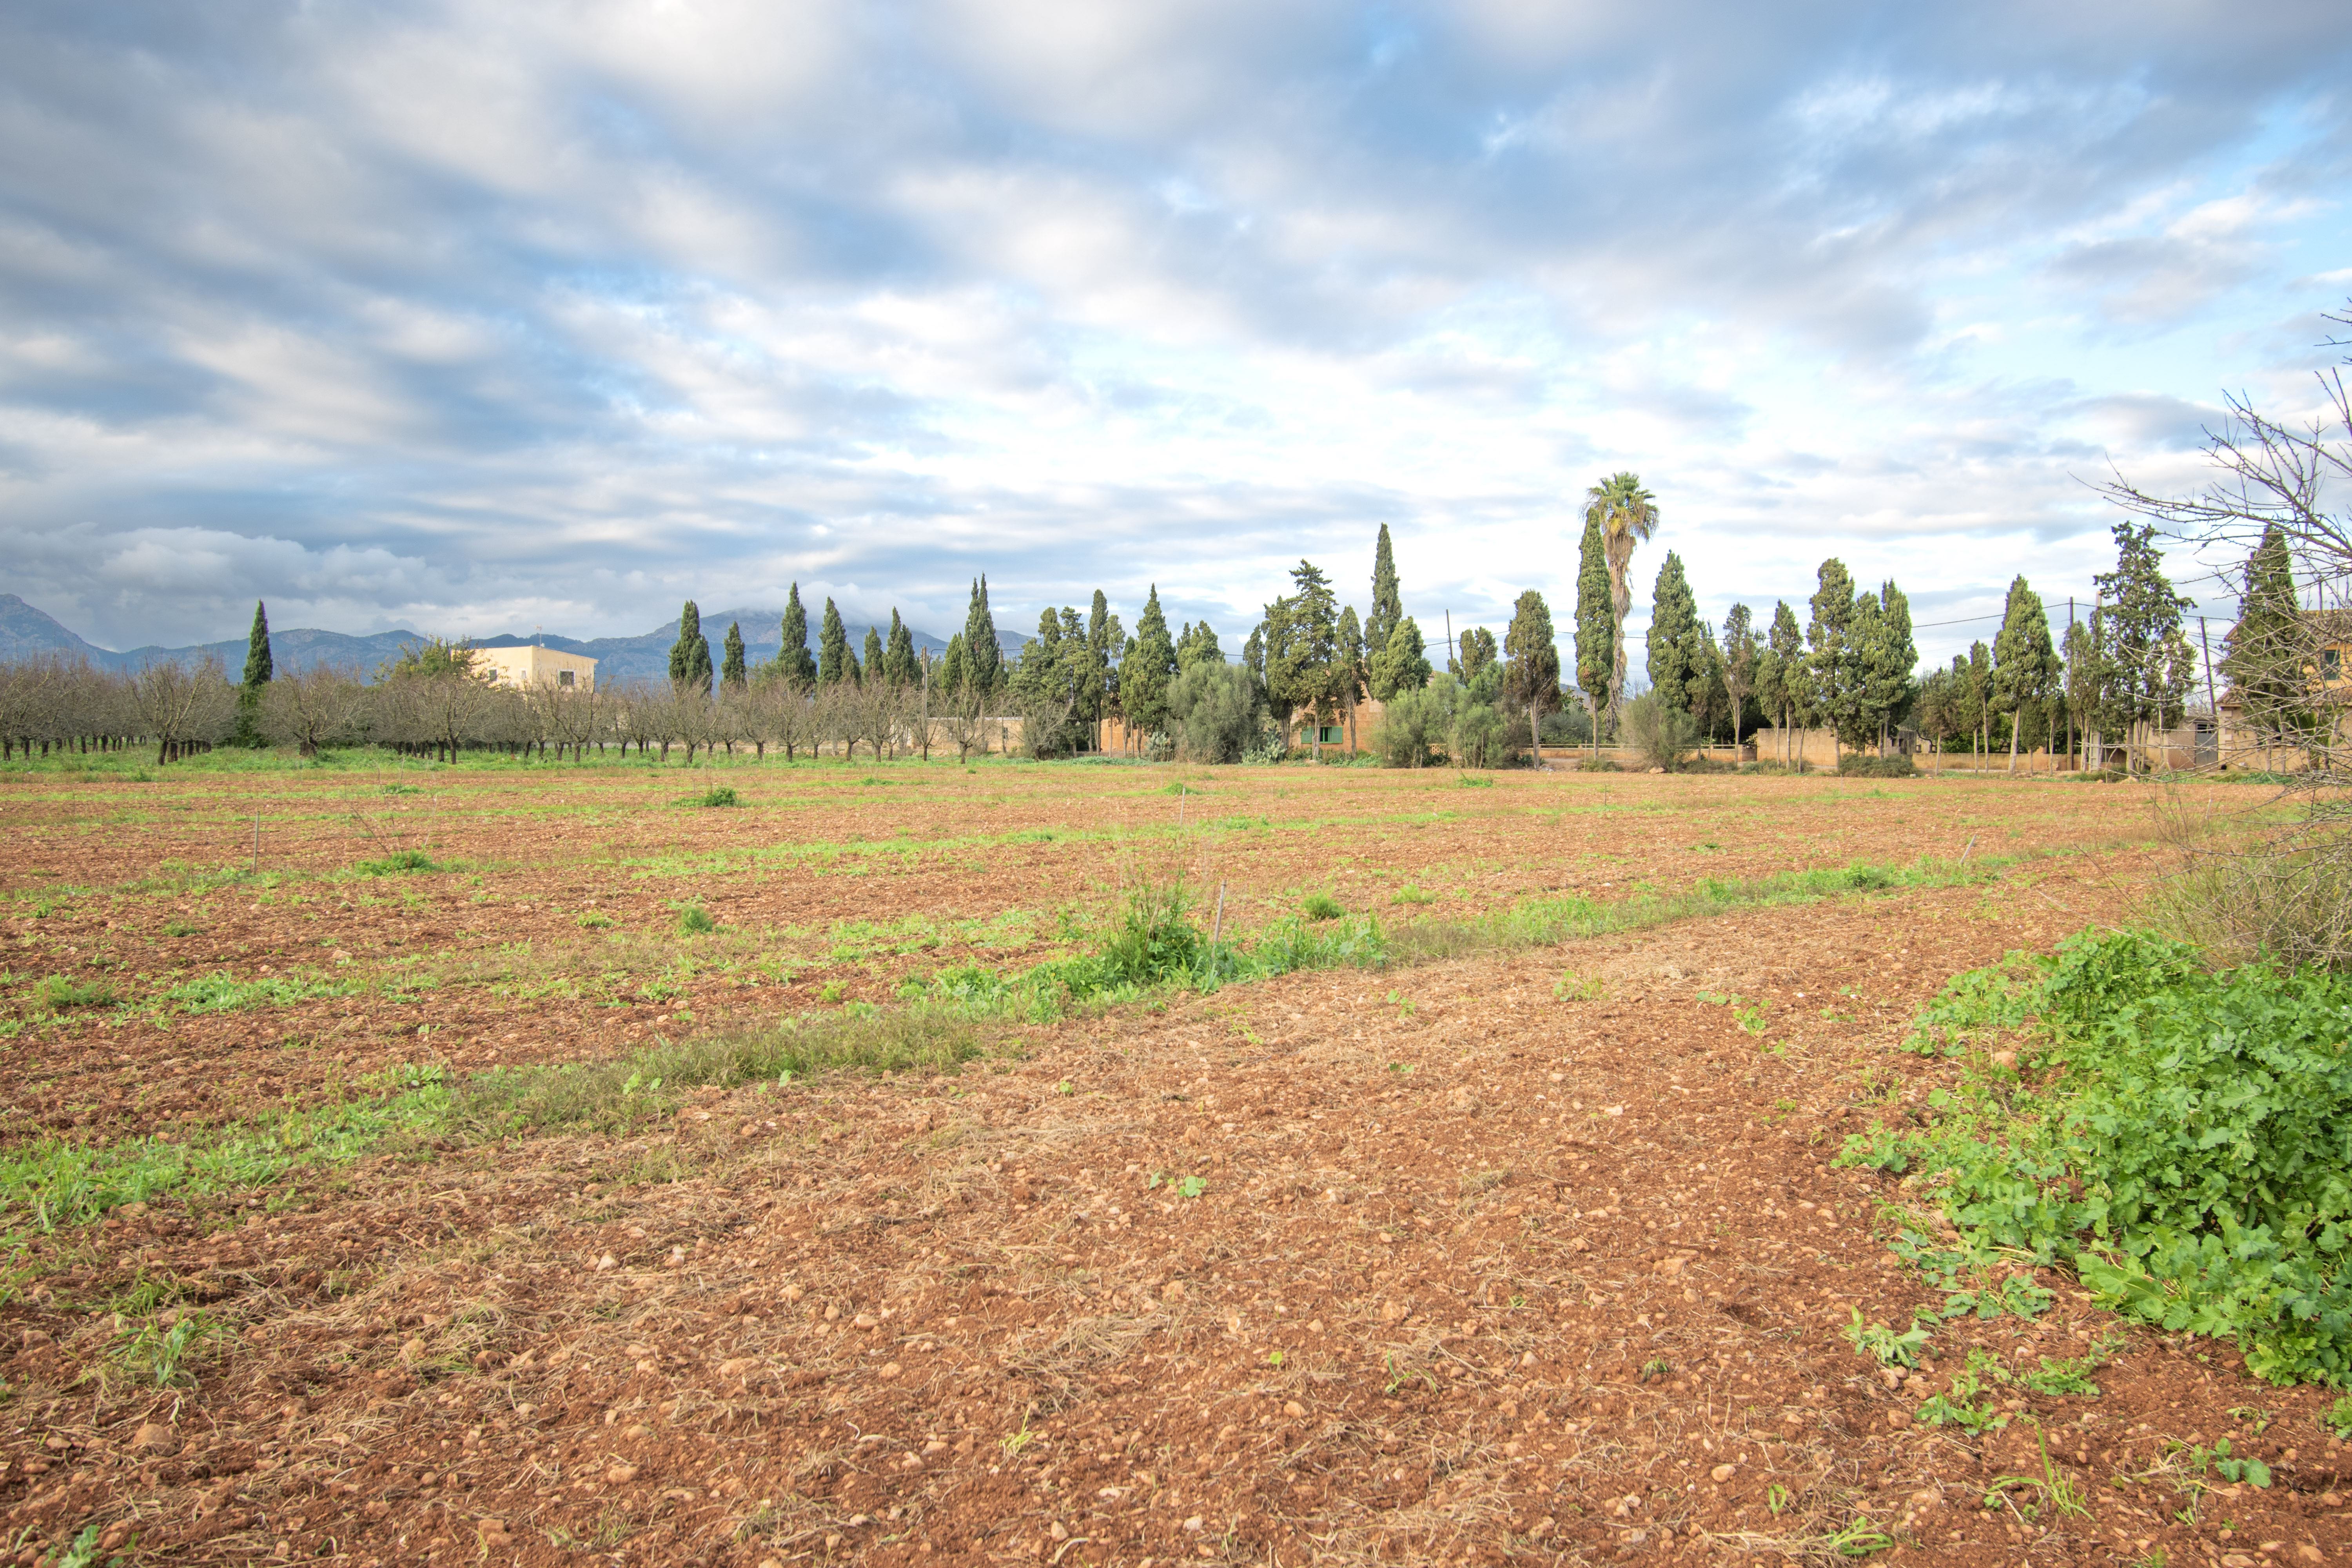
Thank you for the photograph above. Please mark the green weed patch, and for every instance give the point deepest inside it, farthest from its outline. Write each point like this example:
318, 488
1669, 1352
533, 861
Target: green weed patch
2182, 1137
224, 992
48, 1186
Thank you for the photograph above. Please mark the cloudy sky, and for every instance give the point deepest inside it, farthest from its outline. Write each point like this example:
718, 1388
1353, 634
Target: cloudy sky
476, 316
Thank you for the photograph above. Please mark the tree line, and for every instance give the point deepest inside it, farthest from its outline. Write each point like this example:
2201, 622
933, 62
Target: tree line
1308, 666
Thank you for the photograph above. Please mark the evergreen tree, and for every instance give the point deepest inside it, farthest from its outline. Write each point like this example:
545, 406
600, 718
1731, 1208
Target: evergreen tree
1782, 685
682, 656
2266, 656
1888, 657
1975, 679
1197, 646
2025, 667
1301, 663
1388, 603
1144, 675
1478, 652
2141, 642
1830, 659
1857, 723
874, 666
834, 663
1403, 667
792, 660
1099, 698
953, 677
1739, 657
1350, 669
259, 667
900, 668
1596, 624
731, 671
1531, 681
983, 658
1253, 661
1677, 667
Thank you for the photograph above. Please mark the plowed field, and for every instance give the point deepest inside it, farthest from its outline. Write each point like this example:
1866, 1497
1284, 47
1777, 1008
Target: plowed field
1534, 1252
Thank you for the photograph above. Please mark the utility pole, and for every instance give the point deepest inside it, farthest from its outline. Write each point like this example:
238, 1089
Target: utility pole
2070, 680
1453, 665
2213, 707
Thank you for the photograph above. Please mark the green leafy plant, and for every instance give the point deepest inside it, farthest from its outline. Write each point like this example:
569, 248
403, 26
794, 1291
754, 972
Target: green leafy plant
1776, 1498
1322, 906
694, 920
1191, 1187
59, 993
2169, 1131
1883, 1344
1411, 893
716, 795
2338, 1418
181, 928
396, 863
595, 920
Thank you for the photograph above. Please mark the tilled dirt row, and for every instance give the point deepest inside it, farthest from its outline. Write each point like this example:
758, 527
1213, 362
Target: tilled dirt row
1537, 1258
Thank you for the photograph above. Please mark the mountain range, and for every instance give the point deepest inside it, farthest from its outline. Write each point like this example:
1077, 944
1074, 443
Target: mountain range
27, 632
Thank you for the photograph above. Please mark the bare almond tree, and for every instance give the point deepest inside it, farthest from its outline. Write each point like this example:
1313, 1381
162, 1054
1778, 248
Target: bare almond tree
315, 707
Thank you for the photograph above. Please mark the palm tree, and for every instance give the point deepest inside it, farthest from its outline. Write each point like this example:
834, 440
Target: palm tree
1627, 515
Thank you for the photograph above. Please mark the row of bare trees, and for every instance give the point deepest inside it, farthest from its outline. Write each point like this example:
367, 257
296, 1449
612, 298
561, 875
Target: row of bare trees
183, 707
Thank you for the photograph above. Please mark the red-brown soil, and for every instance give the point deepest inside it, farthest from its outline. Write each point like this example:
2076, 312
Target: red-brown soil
1538, 1256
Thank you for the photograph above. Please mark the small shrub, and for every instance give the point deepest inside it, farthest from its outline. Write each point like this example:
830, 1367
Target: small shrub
718, 795
1154, 940
1661, 732
595, 920
1411, 893
1322, 906
696, 921
1859, 765
398, 863
59, 992
1598, 765
2185, 1156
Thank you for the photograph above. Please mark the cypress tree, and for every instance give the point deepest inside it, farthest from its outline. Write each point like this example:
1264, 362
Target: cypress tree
1350, 668
874, 668
1739, 653
260, 668
1198, 645
1403, 664
1531, 679
681, 653
1145, 674
1829, 655
1477, 652
1779, 673
2025, 662
1104, 636
1886, 674
1302, 648
2141, 645
792, 659
1674, 658
1388, 604
953, 676
1596, 623
900, 668
834, 663
732, 672
2264, 654
983, 656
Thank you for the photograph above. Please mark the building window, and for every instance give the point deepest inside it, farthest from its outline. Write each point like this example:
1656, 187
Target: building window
1330, 735
563, 678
